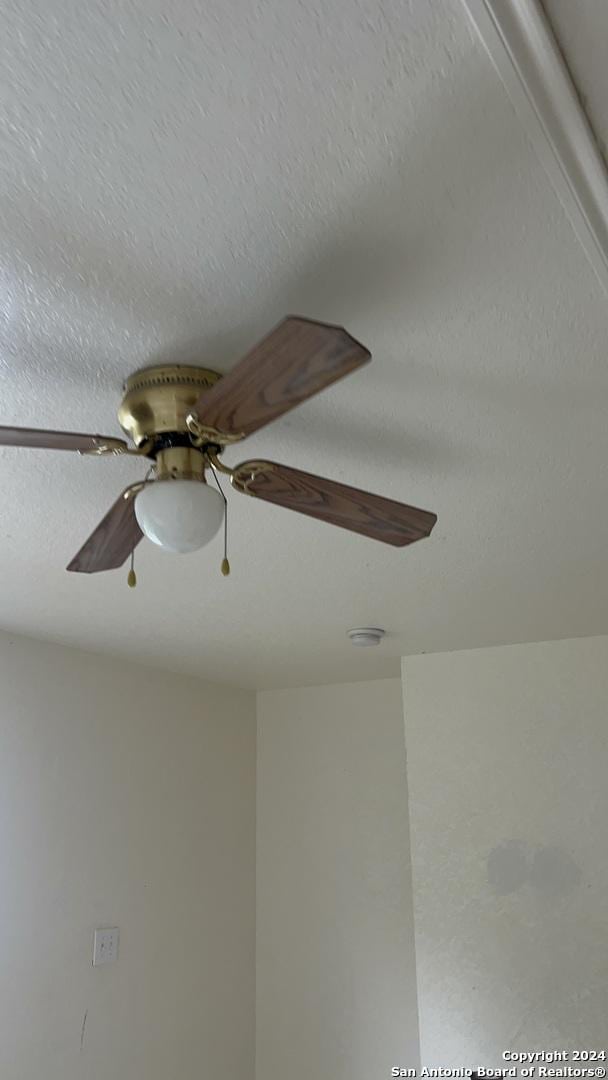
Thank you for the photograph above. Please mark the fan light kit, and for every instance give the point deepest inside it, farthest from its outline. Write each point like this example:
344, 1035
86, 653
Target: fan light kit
178, 515
364, 636
181, 418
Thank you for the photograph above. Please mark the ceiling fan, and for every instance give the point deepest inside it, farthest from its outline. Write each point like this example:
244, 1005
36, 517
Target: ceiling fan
182, 417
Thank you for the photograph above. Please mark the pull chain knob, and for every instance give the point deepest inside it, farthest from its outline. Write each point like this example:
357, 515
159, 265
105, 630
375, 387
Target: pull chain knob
132, 576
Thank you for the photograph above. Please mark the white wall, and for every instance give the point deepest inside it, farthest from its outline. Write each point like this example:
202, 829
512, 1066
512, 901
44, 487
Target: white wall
507, 770
336, 990
127, 798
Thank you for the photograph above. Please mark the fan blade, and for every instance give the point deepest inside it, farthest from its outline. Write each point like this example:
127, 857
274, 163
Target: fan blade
116, 536
296, 360
60, 440
371, 515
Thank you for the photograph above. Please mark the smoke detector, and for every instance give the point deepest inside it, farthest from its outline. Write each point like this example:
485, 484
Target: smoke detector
363, 636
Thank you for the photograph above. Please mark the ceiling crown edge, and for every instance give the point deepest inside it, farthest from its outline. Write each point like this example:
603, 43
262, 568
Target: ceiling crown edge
527, 56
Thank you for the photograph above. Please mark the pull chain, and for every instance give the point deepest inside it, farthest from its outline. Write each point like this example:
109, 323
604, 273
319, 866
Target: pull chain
225, 567
132, 576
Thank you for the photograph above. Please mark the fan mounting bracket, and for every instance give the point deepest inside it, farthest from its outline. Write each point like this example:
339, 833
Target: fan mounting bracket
203, 435
244, 475
107, 446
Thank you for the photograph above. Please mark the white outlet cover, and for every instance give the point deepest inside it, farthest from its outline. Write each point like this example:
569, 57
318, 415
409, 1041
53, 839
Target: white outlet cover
105, 946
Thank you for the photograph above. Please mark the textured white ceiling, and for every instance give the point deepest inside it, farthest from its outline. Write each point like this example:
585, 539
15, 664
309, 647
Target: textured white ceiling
176, 177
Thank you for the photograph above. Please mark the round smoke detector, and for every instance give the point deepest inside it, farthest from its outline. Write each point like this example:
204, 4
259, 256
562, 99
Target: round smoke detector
364, 636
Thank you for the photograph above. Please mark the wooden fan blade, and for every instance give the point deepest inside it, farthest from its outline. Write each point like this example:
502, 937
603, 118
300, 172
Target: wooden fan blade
59, 440
116, 536
296, 360
361, 512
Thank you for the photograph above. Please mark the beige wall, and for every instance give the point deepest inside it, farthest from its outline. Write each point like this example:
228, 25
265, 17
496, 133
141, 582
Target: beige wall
336, 990
507, 766
126, 798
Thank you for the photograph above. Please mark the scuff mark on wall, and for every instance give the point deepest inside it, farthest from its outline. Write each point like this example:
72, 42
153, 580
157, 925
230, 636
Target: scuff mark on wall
82, 1030
507, 867
550, 870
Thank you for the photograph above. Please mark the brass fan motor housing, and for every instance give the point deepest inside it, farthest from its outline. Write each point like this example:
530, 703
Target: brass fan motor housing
157, 400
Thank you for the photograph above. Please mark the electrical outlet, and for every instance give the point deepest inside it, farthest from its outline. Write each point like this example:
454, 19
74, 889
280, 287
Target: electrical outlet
105, 946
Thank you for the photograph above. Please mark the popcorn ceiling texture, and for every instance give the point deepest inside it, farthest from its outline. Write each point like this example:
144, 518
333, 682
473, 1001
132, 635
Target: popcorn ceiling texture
175, 178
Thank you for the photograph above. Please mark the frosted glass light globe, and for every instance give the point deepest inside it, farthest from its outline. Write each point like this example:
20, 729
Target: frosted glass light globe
179, 515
